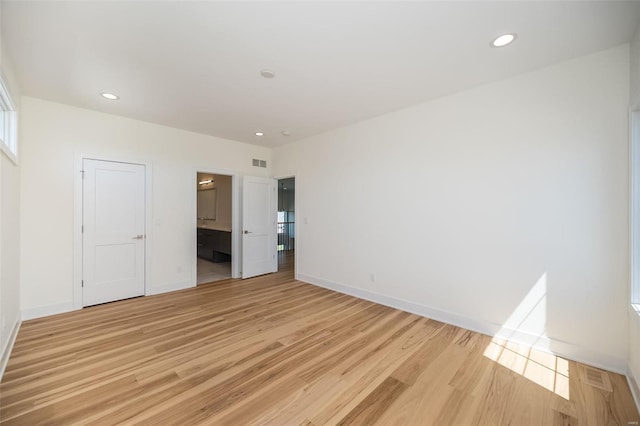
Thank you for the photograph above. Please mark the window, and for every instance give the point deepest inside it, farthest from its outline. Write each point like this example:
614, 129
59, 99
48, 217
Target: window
286, 230
8, 124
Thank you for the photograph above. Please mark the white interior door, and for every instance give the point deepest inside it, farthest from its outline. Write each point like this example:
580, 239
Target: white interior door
113, 221
258, 226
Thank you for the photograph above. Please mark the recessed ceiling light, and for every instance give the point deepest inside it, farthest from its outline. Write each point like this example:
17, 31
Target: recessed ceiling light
286, 133
267, 73
503, 40
259, 134
110, 96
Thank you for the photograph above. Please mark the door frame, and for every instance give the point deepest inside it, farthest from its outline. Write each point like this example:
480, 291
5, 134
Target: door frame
236, 221
296, 226
77, 220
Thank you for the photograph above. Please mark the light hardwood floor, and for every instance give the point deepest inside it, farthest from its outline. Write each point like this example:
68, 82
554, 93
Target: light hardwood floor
272, 350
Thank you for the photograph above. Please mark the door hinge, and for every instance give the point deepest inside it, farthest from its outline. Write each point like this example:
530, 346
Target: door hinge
82, 282
82, 171
82, 230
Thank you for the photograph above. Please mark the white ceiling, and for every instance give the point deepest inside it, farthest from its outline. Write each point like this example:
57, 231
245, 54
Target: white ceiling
196, 65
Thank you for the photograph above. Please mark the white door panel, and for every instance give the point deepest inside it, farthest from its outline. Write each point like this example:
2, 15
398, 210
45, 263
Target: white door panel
113, 246
259, 226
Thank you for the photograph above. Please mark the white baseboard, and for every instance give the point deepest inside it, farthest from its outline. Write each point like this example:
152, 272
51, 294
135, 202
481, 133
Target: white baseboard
169, 288
4, 356
632, 379
544, 343
45, 311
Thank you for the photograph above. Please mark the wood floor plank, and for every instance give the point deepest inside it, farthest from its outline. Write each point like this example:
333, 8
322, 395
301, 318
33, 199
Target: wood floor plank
429, 391
208, 400
376, 403
394, 325
410, 370
359, 379
341, 388
273, 350
494, 403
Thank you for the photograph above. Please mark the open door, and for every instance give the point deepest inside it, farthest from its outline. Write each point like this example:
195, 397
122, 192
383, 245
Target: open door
258, 226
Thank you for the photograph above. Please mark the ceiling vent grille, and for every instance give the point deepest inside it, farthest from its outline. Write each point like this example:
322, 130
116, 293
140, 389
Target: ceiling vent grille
259, 163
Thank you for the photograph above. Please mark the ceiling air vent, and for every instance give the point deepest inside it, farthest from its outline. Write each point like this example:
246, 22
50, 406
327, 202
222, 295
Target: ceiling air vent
259, 163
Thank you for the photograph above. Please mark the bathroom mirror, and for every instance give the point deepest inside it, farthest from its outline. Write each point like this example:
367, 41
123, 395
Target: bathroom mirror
207, 204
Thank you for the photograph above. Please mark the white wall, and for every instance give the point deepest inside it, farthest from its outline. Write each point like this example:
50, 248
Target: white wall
634, 317
53, 136
9, 257
9, 251
9, 228
458, 207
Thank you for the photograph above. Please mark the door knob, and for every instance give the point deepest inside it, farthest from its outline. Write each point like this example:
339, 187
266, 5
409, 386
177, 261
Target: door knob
138, 237
247, 232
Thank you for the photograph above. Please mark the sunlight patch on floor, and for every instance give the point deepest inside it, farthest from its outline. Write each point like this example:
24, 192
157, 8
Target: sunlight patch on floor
528, 322
545, 369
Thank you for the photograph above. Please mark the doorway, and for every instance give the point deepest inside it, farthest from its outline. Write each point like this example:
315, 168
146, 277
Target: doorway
286, 222
214, 225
